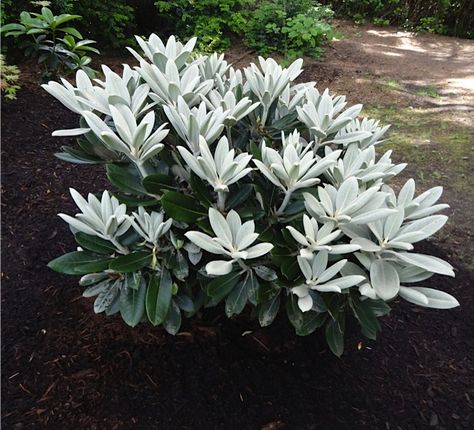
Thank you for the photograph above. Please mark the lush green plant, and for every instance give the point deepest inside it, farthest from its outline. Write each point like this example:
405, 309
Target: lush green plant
212, 21
292, 28
243, 188
112, 22
455, 17
307, 33
431, 24
9, 77
382, 22
52, 39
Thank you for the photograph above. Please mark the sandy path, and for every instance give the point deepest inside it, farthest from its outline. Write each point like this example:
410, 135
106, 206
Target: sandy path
369, 56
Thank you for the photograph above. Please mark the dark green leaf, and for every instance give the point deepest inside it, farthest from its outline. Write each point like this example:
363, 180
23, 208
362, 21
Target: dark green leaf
253, 213
61, 19
255, 150
295, 208
158, 297
294, 312
290, 269
240, 196
266, 291
379, 307
279, 254
130, 237
79, 263
131, 262
268, 311
201, 191
72, 31
335, 304
92, 145
318, 303
134, 280
219, 287
185, 303
335, 337
366, 316
126, 178
172, 323
132, 201
94, 243
156, 183
182, 207
180, 266
288, 122
75, 156
253, 288
237, 299
311, 321
12, 26
107, 297
132, 303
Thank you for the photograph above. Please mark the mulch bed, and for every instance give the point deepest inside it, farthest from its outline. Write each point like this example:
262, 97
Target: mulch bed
65, 368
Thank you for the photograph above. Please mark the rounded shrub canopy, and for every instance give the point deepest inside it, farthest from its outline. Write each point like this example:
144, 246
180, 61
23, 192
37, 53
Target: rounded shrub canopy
242, 187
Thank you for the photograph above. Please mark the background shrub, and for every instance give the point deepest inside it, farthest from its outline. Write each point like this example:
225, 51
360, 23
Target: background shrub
292, 28
295, 28
53, 40
212, 21
111, 22
452, 17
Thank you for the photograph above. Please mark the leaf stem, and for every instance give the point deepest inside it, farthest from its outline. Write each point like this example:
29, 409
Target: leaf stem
141, 168
285, 202
229, 136
221, 196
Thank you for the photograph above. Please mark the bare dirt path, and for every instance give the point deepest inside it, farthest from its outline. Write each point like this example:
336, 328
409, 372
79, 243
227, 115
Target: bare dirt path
416, 62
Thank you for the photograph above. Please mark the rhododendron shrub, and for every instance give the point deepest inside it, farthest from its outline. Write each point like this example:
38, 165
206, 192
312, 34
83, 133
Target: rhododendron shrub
240, 187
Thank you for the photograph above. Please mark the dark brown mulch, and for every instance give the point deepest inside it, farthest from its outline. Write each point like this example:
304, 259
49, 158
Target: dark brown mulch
65, 368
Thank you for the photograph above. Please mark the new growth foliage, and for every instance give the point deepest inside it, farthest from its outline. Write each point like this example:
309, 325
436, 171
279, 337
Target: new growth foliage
240, 187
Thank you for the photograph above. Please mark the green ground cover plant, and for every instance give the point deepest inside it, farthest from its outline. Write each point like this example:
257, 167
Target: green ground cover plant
9, 79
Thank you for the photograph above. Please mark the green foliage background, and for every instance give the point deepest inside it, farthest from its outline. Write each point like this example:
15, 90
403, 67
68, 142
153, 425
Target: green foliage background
451, 17
294, 28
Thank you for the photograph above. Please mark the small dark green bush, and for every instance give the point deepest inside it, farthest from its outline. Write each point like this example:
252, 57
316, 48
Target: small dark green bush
53, 40
293, 28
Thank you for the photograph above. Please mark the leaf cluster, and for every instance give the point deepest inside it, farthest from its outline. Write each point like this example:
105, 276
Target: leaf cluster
9, 77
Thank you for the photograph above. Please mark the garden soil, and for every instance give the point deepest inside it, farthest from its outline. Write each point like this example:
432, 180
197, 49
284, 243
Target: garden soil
65, 368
